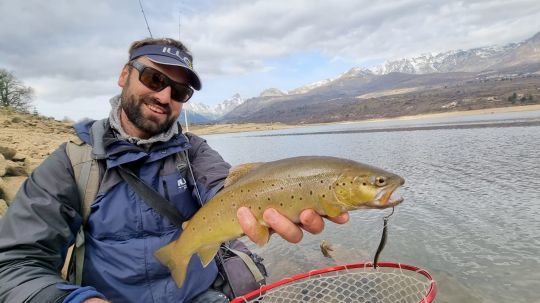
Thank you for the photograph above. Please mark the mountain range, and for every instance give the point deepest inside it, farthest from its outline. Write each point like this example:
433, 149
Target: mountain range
482, 77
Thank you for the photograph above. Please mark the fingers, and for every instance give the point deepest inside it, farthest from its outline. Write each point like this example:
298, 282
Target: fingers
341, 219
282, 226
311, 221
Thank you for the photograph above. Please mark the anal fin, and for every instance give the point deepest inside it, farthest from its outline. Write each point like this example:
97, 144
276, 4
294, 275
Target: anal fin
208, 253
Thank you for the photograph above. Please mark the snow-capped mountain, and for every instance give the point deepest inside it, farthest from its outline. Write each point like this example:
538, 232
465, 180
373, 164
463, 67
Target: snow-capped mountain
228, 105
452, 61
215, 112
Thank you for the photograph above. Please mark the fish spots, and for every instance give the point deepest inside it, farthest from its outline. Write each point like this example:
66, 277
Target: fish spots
281, 204
268, 198
300, 184
311, 193
204, 218
234, 205
260, 208
364, 183
292, 197
281, 188
322, 181
323, 195
273, 184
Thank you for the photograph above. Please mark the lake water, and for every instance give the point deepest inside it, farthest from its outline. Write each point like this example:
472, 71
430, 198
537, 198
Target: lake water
471, 215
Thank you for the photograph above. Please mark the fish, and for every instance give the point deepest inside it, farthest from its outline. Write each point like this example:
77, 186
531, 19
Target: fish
326, 248
328, 185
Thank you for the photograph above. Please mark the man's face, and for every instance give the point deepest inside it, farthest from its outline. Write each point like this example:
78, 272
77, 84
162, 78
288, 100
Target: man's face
144, 112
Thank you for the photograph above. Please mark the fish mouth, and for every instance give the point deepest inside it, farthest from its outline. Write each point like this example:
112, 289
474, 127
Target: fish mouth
386, 198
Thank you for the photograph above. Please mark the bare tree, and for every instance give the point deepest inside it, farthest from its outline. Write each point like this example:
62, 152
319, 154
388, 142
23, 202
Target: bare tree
13, 93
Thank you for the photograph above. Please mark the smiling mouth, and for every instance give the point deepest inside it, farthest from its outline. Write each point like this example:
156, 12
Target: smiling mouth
156, 109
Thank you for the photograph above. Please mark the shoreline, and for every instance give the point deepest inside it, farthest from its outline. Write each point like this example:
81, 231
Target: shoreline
254, 127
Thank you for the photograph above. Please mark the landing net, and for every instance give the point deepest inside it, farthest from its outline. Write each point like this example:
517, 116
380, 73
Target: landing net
390, 282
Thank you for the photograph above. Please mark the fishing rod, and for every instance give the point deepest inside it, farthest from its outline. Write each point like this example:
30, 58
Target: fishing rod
145, 20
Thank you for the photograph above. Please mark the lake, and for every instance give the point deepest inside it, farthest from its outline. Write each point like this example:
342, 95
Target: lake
471, 215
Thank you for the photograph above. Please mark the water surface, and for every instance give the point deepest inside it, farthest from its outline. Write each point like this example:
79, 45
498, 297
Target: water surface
472, 200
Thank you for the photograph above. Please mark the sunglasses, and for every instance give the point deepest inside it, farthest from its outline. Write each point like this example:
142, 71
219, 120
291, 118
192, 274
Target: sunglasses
157, 81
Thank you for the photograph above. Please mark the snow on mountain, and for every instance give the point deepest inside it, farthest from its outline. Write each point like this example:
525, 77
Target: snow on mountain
228, 105
308, 87
217, 110
450, 61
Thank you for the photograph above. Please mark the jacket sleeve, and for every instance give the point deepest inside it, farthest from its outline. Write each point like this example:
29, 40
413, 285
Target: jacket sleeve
209, 168
36, 231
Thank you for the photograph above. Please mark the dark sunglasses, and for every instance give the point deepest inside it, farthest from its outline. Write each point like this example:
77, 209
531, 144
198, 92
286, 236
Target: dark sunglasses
157, 81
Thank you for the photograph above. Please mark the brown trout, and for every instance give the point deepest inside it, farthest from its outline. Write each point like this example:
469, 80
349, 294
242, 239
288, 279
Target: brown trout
328, 185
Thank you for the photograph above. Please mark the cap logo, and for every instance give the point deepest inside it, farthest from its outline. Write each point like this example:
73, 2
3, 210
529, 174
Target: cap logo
177, 53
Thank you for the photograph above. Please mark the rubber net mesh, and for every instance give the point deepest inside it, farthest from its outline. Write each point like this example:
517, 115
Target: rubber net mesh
353, 285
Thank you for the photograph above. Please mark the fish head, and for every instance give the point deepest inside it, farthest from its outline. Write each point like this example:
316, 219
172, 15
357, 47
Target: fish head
367, 187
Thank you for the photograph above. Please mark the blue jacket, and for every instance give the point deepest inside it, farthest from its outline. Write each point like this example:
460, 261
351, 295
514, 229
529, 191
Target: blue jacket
122, 232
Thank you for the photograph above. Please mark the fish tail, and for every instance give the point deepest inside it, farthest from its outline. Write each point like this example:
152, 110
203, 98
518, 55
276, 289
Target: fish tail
176, 259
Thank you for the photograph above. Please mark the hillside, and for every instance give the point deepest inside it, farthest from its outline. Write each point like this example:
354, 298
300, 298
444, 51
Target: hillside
25, 140
485, 77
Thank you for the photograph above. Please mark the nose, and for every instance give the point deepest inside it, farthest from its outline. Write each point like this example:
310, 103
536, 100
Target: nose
164, 95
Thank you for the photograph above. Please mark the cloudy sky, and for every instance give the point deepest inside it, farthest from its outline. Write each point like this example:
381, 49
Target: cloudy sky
71, 51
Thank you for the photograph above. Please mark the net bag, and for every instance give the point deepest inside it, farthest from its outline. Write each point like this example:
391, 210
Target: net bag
389, 282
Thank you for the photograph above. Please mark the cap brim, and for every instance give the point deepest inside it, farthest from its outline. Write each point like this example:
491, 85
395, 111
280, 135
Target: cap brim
192, 75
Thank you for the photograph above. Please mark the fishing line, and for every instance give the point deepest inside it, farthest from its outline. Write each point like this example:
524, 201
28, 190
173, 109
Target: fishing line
384, 237
146, 21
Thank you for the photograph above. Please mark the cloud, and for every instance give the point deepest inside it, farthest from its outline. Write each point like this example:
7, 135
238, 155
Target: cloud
70, 49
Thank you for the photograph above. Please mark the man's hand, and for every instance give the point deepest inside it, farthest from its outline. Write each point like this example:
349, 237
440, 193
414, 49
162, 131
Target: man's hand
309, 221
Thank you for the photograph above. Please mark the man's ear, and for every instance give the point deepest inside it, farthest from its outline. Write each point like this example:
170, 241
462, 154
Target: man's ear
123, 78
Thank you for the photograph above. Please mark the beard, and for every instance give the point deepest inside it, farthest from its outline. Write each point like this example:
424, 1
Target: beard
132, 107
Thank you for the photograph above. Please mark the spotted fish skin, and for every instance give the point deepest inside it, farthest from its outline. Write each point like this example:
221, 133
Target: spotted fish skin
328, 185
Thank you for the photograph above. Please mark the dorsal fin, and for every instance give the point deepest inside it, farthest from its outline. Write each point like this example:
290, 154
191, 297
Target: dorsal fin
240, 170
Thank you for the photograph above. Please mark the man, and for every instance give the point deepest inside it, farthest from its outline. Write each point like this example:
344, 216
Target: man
122, 231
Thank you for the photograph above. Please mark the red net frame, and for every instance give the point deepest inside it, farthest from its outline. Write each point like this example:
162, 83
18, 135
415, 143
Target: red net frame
406, 274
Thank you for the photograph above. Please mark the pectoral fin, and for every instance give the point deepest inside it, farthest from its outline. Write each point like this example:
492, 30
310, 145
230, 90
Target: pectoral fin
207, 253
238, 171
330, 209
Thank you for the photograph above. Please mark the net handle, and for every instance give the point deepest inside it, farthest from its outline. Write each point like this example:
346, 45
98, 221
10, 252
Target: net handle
432, 292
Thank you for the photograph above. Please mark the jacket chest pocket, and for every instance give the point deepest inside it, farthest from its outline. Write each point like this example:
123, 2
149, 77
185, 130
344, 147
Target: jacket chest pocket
174, 187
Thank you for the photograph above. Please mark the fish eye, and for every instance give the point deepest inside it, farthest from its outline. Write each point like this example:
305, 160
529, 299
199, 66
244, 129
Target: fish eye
380, 181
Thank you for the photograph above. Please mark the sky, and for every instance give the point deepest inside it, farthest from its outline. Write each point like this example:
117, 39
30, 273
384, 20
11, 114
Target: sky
71, 51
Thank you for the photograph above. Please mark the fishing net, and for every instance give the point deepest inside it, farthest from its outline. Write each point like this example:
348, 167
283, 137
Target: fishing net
390, 282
